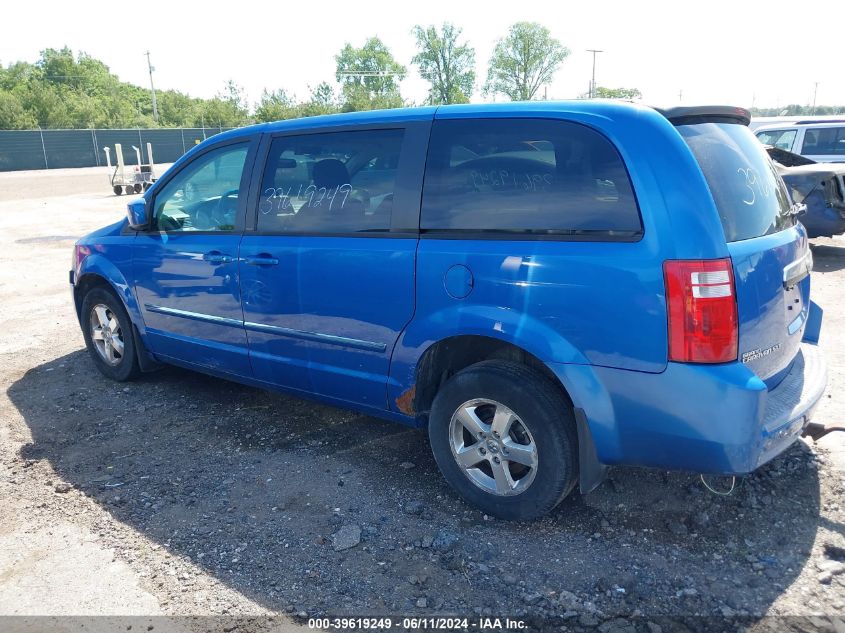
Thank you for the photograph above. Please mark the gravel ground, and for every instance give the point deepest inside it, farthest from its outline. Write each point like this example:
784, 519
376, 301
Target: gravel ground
181, 494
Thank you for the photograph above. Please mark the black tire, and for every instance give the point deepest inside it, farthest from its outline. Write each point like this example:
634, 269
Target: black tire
130, 189
126, 366
138, 187
118, 190
540, 407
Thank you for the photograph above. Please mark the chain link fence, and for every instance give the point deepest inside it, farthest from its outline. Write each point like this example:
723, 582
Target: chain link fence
54, 149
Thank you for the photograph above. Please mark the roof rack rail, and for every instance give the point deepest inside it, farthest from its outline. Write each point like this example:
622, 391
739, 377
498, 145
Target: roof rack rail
682, 115
810, 121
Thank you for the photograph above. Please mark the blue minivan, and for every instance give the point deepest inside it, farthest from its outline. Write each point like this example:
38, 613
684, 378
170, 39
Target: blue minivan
550, 288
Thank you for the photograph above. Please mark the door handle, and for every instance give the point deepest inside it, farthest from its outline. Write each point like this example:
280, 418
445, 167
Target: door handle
216, 257
261, 260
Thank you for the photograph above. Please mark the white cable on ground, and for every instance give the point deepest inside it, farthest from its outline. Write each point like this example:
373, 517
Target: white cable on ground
716, 492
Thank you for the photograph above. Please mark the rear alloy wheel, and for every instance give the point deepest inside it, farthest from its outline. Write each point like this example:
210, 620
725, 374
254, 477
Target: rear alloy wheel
495, 449
108, 335
503, 435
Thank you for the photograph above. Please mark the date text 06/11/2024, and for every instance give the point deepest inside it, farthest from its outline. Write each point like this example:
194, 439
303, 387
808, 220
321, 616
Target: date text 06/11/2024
418, 624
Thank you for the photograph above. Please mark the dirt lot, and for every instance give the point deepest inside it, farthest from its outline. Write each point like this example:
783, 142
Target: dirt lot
181, 494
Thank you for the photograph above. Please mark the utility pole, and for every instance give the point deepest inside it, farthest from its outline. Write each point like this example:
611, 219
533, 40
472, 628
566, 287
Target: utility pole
152, 88
815, 92
593, 82
680, 95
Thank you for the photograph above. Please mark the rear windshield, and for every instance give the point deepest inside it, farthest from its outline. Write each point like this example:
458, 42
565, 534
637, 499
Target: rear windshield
749, 194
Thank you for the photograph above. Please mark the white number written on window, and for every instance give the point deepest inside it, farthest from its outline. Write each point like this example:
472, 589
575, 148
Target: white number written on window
279, 200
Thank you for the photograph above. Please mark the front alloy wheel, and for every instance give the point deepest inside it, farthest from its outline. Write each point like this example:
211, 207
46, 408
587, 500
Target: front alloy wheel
106, 334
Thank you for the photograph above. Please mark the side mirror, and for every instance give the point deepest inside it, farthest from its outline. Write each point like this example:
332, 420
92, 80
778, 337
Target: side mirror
136, 212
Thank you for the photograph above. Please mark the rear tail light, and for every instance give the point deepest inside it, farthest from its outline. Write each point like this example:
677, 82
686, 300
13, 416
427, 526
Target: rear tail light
701, 303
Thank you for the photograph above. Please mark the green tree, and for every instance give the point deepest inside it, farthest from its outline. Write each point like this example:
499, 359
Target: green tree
322, 101
13, 115
447, 65
798, 110
63, 90
227, 109
524, 60
233, 94
275, 106
617, 93
177, 110
369, 77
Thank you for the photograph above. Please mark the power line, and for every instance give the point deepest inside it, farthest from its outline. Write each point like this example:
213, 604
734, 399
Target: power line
370, 73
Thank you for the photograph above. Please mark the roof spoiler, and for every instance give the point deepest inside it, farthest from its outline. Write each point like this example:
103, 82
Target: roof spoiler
686, 115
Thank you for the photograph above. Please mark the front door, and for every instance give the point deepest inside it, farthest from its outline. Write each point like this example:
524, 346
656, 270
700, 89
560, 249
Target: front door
186, 267
327, 277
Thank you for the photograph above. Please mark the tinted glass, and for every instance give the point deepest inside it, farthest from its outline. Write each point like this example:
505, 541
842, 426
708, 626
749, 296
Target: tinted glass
337, 182
749, 194
778, 138
526, 175
825, 140
204, 195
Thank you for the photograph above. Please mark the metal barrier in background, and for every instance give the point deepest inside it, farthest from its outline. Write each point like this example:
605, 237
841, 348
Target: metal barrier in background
54, 149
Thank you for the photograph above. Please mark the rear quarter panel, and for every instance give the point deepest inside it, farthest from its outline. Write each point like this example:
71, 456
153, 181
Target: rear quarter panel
579, 302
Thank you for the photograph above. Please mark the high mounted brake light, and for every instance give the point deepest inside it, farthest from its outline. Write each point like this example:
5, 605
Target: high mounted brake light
701, 306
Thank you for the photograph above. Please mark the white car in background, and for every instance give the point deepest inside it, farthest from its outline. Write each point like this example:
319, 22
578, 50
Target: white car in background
820, 140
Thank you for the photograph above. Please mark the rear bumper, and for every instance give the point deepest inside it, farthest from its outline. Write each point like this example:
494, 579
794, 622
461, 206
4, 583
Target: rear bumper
718, 419
791, 404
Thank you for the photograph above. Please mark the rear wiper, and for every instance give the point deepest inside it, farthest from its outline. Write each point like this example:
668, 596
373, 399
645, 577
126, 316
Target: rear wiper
799, 208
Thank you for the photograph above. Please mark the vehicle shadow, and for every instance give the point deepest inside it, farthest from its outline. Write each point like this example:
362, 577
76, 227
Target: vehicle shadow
251, 487
828, 258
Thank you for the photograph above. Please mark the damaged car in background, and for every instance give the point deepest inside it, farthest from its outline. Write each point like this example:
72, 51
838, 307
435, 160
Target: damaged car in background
818, 186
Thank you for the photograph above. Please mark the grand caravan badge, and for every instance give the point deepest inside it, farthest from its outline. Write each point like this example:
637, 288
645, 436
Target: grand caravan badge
754, 354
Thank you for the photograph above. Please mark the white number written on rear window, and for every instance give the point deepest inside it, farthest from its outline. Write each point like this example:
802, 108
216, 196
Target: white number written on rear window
754, 184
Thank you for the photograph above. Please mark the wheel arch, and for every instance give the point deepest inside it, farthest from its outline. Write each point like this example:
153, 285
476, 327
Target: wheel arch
443, 358
99, 271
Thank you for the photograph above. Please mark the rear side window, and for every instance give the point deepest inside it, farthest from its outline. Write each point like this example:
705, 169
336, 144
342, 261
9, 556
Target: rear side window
778, 138
337, 182
749, 194
824, 140
532, 176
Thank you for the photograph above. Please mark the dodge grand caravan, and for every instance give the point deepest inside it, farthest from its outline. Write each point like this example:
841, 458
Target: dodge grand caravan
549, 288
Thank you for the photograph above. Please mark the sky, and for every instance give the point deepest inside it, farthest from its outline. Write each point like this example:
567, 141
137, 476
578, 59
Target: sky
745, 53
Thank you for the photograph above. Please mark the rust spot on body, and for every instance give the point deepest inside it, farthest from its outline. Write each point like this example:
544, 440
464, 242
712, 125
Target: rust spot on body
405, 401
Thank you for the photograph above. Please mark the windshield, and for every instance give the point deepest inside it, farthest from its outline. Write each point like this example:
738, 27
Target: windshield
749, 194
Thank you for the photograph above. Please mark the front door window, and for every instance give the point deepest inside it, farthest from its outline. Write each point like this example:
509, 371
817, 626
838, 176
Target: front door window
203, 196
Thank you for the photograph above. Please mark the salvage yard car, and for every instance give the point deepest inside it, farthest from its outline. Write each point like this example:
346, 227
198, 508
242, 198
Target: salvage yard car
820, 187
550, 288
822, 140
